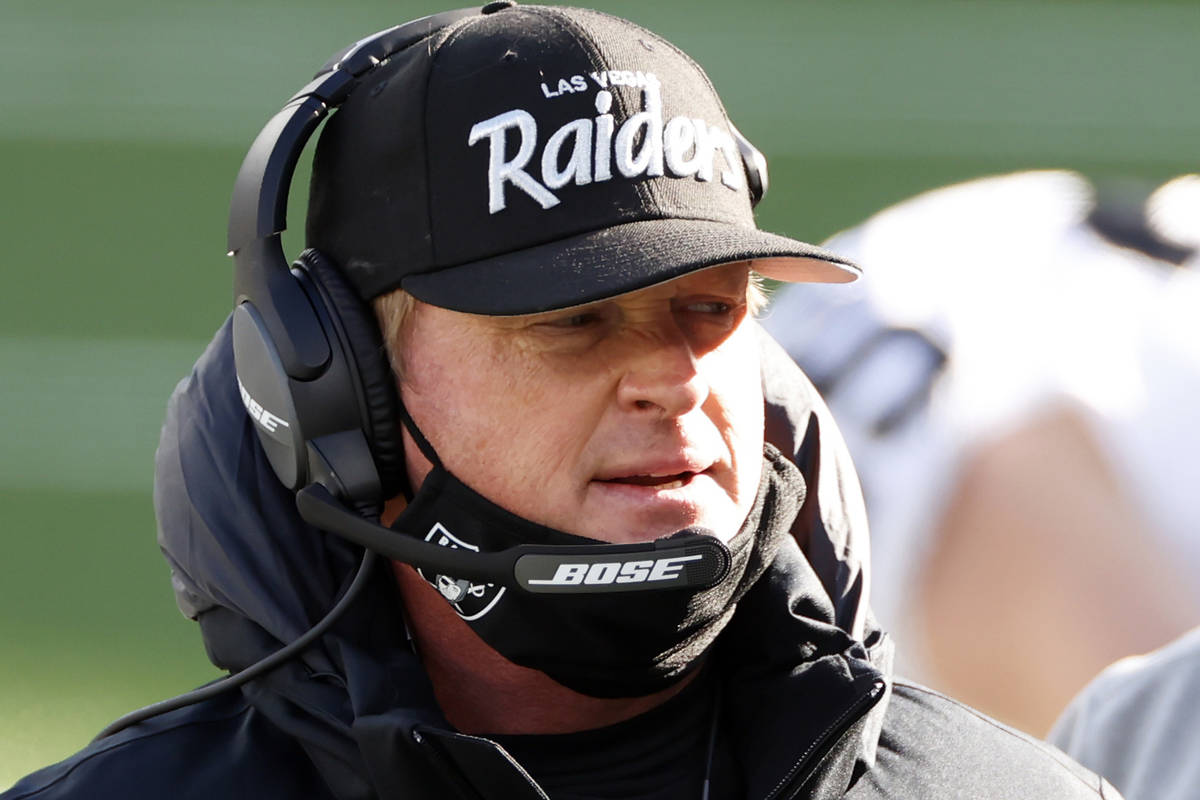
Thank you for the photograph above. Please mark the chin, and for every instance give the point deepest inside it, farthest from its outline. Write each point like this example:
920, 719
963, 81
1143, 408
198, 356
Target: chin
724, 527
624, 514
723, 524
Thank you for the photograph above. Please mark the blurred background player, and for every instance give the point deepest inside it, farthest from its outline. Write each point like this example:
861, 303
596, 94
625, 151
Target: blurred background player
1015, 379
1136, 723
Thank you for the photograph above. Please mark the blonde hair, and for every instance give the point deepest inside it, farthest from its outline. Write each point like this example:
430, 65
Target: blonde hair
393, 312
756, 294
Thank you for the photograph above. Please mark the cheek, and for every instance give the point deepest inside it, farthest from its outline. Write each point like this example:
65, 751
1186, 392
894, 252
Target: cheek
735, 387
448, 388
735, 377
496, 416
541, 424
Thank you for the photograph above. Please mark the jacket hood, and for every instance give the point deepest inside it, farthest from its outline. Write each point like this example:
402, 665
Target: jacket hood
256, 576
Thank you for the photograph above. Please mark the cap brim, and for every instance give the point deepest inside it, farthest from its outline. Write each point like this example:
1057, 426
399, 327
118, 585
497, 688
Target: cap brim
622, 258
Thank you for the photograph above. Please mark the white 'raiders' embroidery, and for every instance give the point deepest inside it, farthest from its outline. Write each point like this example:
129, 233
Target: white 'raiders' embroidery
683, 147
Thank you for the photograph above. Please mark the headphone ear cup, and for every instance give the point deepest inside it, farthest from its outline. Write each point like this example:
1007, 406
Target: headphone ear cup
378, 396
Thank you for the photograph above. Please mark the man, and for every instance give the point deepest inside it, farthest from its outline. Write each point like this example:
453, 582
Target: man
602, 581
1013, 378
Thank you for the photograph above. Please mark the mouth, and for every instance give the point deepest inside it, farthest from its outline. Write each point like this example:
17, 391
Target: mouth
662, 482
645, 501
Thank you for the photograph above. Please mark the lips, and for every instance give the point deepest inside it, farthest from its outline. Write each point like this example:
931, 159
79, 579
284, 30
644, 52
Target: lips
673, 481
654, 496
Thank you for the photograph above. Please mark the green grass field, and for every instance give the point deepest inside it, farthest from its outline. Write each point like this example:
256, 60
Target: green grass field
124, 123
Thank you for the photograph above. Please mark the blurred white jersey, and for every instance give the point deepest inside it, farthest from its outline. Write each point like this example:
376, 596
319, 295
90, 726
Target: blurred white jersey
1136, 723
984, 303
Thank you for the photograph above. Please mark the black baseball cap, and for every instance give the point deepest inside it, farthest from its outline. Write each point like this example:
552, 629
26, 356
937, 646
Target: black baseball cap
530, 158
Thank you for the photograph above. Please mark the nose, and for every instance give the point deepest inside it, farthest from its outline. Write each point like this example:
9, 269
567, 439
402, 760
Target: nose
663, 376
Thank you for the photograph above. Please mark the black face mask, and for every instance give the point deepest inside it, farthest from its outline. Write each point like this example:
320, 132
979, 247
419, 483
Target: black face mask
621, 644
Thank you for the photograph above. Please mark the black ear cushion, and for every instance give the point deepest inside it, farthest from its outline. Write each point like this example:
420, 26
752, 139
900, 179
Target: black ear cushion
360, 331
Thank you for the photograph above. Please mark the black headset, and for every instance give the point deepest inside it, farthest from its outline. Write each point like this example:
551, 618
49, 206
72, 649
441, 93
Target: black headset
310, 359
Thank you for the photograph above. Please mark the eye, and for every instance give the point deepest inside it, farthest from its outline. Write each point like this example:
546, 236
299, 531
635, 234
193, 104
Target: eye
710, 307
580, 320
713, 308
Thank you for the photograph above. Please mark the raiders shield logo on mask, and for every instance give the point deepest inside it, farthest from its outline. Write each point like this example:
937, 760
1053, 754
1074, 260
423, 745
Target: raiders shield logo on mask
470, 600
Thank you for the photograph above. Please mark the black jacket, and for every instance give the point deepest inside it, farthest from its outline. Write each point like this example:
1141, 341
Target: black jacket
807, 695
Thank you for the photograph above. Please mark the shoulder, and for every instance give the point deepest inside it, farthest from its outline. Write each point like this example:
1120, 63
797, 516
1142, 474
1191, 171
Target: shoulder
220, 748
933, 746
1136, 721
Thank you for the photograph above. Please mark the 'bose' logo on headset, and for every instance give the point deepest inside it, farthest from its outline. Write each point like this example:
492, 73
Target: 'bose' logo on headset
270, 422
609, 572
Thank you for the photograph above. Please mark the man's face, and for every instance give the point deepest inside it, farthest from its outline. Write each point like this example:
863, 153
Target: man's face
624, 420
